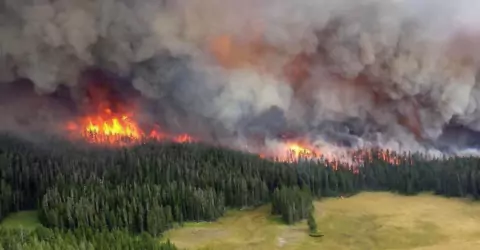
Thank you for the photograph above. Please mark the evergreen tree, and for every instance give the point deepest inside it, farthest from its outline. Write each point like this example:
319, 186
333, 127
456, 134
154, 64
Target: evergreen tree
150, 187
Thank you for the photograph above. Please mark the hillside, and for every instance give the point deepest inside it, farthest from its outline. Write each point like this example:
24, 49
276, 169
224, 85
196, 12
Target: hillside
368, 221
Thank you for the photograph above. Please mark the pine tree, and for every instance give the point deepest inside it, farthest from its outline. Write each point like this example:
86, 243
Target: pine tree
312, 225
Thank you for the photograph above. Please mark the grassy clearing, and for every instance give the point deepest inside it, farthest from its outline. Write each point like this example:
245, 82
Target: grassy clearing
368, 221
24, 219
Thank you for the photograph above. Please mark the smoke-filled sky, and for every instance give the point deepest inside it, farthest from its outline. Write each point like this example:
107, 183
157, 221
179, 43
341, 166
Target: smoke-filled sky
393, 72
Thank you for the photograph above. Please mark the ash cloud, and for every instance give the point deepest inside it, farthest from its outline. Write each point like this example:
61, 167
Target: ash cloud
394, 73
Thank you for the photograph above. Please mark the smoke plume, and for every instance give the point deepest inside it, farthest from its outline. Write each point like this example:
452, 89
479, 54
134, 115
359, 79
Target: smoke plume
395, 73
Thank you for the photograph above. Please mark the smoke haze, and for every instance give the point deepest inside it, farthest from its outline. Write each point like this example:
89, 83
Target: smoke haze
352, 73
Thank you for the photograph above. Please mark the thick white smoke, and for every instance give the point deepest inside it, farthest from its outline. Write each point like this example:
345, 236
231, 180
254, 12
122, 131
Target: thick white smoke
404, 69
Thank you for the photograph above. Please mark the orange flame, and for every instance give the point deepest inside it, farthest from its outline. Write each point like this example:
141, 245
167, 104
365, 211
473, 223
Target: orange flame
297, 151
117, 127
303, 151
112, 129
112, 126
119, 130
107, 128
294, 151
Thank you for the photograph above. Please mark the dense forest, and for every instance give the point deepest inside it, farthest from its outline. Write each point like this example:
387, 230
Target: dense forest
99, 197
45, 239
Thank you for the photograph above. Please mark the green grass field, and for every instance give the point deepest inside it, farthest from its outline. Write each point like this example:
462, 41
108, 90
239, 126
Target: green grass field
24, 219
368, 221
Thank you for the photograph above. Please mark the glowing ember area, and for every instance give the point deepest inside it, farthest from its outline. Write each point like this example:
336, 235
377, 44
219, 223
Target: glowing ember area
360, 156
291, 151
182, 138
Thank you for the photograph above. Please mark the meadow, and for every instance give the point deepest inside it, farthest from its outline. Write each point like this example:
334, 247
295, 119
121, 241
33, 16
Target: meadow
149, 189
25, 220
367, 221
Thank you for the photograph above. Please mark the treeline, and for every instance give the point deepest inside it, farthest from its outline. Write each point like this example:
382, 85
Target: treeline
293, 204
48, 239
138, 208
151, 187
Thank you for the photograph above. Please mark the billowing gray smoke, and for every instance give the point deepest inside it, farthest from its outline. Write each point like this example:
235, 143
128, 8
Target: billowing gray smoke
389, 72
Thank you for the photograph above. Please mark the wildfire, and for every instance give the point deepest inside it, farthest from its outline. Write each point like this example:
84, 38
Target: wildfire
293, 151
118, 129
109, 128
297, 151
256, 53
111, 118
113, 126
111, 121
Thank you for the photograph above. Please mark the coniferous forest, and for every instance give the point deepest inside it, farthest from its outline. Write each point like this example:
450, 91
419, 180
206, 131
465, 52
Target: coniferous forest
100, 198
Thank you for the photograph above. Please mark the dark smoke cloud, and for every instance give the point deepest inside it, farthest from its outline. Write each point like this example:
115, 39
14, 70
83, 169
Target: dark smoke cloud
394, 73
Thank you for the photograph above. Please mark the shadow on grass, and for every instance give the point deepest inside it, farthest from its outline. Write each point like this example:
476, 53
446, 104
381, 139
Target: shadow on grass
276, 220
23, 219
